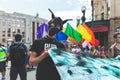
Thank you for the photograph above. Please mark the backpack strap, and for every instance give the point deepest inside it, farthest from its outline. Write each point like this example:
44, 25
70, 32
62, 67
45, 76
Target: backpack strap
21, 44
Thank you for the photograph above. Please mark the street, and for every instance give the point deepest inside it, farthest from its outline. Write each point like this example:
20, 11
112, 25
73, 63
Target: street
30, 74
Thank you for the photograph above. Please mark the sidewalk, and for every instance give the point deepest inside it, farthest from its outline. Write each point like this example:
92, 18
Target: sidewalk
30, 74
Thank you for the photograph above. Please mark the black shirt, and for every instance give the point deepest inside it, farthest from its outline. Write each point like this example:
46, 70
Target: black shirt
46, 69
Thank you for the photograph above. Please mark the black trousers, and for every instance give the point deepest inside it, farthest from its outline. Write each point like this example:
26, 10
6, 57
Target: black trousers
2, 66
14, 71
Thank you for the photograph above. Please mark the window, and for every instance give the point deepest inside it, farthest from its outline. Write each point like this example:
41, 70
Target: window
9, 24
3, 23
23, 34
9, 30
3, 35
102, 7
8, 34
3, 40
96, 16
18, 30
3, 30
117, 29
102, 16
13, 35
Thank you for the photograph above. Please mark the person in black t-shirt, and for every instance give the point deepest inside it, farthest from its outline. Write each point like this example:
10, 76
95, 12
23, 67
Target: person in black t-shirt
46, 69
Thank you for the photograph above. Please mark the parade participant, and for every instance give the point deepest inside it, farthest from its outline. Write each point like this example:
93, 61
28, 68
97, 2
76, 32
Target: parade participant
93, 52
115, 48
3, 59
76, 49
46, 69
57, 21
87, 51
17, 53
102, 52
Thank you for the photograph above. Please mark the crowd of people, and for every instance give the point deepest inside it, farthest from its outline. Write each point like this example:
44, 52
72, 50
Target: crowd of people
94, 51
98, 51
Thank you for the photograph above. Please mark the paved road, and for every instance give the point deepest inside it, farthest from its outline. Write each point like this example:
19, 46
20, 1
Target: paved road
30, 74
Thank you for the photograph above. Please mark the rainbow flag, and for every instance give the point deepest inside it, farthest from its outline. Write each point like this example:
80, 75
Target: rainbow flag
78, 36
84, 32
73, 33
93, 40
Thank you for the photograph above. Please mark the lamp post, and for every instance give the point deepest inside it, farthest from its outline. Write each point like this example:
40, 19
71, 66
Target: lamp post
78, 20
83, 9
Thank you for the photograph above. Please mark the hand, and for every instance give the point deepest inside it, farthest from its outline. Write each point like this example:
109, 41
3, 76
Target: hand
45, 53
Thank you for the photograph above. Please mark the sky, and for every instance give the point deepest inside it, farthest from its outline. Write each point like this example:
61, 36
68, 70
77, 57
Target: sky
66, 9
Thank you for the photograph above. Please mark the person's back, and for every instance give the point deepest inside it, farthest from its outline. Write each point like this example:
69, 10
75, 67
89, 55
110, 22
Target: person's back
17, 52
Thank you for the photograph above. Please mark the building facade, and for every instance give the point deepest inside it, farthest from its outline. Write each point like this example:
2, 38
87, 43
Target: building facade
11, 24
114, 18
100, 9
100, 20
103, 10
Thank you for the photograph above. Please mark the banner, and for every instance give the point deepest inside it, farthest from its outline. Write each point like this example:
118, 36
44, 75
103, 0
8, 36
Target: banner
78, 67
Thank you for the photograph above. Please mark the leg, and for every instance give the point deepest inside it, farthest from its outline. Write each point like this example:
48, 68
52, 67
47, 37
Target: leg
13, 73
23, 73
3, 74
3, 69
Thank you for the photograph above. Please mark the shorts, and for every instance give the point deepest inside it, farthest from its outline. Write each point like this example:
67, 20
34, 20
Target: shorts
2, 66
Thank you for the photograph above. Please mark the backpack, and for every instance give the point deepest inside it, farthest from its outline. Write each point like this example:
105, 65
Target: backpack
17, 54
